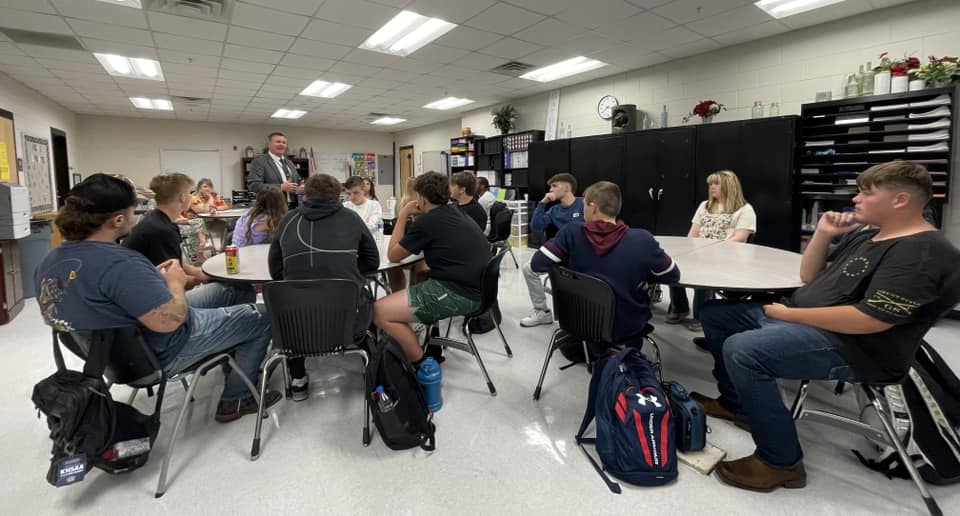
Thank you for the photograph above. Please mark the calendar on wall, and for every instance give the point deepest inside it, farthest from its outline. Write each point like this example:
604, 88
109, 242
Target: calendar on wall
36, 171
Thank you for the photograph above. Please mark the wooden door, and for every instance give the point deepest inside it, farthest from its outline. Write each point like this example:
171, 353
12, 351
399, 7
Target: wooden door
8, 149
406, 168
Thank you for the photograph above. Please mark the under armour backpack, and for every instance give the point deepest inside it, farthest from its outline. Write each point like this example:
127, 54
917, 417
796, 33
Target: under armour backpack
926, 413
634, 427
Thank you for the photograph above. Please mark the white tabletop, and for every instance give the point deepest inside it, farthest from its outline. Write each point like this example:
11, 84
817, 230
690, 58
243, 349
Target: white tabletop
728, 265
225, 214
255, 269
678, 245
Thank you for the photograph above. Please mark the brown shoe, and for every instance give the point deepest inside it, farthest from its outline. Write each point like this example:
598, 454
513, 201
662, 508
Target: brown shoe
753, 474
694, 325
714, 408
230, 410
672, 318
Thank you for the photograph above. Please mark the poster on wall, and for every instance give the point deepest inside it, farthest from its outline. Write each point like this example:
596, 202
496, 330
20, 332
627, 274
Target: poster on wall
365, 164
36, 171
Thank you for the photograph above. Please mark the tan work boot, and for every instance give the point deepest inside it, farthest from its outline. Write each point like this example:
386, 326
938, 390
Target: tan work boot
752, 473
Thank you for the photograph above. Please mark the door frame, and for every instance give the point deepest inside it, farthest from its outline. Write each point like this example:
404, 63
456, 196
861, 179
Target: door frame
401, 180
54, 133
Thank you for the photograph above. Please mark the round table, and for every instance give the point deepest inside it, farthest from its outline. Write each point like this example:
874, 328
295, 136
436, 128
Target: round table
231, 214
728, 265
255, 269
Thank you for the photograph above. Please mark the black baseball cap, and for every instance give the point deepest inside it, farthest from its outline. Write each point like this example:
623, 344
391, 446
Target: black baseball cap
103, 193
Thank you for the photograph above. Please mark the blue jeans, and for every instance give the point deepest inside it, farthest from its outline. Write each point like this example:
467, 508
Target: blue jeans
750, 352
679, 303
217, 295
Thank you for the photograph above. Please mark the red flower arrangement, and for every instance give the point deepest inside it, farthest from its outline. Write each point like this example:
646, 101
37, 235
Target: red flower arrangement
899, 67
706, 108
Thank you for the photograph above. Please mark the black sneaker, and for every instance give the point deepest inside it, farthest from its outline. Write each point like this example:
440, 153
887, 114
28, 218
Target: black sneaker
434, 351
301, 392
701, 343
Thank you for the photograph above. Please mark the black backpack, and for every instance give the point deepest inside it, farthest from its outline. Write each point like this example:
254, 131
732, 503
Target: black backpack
484, 323
409, 423
87, 427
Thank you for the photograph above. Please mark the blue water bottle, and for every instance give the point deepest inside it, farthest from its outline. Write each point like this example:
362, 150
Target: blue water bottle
429, 377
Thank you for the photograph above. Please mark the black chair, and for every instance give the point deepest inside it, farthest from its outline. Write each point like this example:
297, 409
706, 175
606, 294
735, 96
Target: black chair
584, 307
310, 318
131, 362
500, 228
489, 285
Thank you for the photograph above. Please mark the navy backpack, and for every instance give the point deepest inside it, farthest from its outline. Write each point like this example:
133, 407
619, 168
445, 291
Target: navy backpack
635, 431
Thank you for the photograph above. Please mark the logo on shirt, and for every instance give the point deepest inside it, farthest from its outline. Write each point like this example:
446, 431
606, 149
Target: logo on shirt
855, 267
891, 303
576, 215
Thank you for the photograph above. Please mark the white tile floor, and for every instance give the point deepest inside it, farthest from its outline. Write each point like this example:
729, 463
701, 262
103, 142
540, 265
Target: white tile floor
495, 455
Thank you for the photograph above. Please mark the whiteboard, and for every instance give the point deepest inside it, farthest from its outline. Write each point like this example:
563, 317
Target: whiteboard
195, 163
337, 164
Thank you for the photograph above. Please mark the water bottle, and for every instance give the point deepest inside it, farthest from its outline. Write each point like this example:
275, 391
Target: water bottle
379, 233
663, 117
429, 377
384, 403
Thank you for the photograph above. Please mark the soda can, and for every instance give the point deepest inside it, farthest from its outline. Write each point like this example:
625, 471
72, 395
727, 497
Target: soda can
232, 254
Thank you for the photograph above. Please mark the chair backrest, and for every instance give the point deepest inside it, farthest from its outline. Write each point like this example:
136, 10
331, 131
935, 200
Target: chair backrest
500, 224
131, 360
584, 305
490, 281
311, 317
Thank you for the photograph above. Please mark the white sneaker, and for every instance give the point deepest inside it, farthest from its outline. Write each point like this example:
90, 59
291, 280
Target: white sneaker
537, 318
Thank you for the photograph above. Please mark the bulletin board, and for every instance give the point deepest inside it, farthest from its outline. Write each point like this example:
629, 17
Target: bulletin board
36, 171
364, 164
8, 149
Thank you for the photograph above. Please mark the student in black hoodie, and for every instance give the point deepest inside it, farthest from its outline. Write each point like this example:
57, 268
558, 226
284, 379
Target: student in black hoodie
624, 258
322, 240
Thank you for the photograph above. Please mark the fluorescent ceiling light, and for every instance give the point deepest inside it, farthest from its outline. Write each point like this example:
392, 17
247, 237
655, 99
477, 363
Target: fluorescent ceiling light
563, 69
784, 8
145, 103
325, 89
288, 113
448, 103
130, 67
387, 120
406, 33
126, 3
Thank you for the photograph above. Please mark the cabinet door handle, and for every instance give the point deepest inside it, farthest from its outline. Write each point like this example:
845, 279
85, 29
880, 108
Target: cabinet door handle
650, 193
659, 194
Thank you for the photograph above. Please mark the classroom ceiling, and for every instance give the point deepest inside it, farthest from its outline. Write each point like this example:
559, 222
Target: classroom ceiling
259, 60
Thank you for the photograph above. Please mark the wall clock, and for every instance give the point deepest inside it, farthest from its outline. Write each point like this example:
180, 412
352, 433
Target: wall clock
606, 105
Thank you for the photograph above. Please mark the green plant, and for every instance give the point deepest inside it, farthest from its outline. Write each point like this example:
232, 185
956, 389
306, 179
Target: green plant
505, 118
940, 70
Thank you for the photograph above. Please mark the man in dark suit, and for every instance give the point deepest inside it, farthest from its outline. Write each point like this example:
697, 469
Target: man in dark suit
273, 168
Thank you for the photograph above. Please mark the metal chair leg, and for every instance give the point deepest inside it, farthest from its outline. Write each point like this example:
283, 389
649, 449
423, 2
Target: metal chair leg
797, 409
133, 396
366, 401
659, 362
162, 482
476, 354
510, 250
449, 325
503, 339
255, 448
546, 362
186, 387
905, 459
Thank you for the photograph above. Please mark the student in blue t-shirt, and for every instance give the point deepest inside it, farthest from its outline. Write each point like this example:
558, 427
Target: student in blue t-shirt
563, 188
91, 283
624, 258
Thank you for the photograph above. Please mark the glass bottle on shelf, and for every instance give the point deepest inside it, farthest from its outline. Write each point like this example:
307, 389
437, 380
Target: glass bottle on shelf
860, 80
774, 109
866, 85
757, 111
853, 88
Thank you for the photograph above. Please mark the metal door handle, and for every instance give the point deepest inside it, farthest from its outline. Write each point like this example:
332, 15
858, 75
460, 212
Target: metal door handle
650, 193
659, 194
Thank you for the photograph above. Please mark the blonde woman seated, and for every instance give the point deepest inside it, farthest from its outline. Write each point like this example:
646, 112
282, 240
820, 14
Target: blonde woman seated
725, 215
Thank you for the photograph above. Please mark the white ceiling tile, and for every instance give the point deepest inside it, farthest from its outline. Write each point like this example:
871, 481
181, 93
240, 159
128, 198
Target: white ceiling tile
395, 74
116, 47
468, 38
294, 72
338, 33
418, 66
548, 56
79, 56
358, 13
549, 32
628, 29
256, 17
688, 49
751, 33
75, 66
477, 61
504, 19
825, 14
548, 7
686, 11
592, 15
235, 89
246, 66
14, 60
259, 39
26, 20
630, 56
509, 48
111, 32
192, 91
439, 54
173, 56
355, 69
657, 40
37, 6
315, 63
232, 75
10, 49
102, 12
455, 11
191, 70
251, 54
588, 42
185, 44
313, 48
305, 7
291, 82
184, 26
732, 20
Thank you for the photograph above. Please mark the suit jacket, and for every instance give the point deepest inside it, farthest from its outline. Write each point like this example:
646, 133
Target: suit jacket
264, 171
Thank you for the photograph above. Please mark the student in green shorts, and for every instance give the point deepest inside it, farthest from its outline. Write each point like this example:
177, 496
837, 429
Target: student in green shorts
455, 250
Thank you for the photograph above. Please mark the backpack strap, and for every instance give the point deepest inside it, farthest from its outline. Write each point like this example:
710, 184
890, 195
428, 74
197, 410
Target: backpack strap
428, 441
57, 354
99, 354
588, 417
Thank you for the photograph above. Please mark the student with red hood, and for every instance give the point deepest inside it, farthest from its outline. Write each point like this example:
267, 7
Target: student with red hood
604, 247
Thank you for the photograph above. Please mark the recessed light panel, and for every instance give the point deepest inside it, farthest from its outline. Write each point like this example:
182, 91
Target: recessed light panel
130, 67
406, 33
563, 69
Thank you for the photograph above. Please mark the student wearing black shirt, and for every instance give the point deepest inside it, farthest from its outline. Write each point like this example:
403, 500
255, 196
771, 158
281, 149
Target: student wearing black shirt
463, 185
157, 237
859, 316
456, 252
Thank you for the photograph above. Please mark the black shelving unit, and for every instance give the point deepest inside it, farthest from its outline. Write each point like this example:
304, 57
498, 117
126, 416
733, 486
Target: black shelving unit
516, 159
506, 155
842, 138
463, 153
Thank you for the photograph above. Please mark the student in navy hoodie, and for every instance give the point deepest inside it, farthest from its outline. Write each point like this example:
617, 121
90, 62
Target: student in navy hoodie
604, 247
